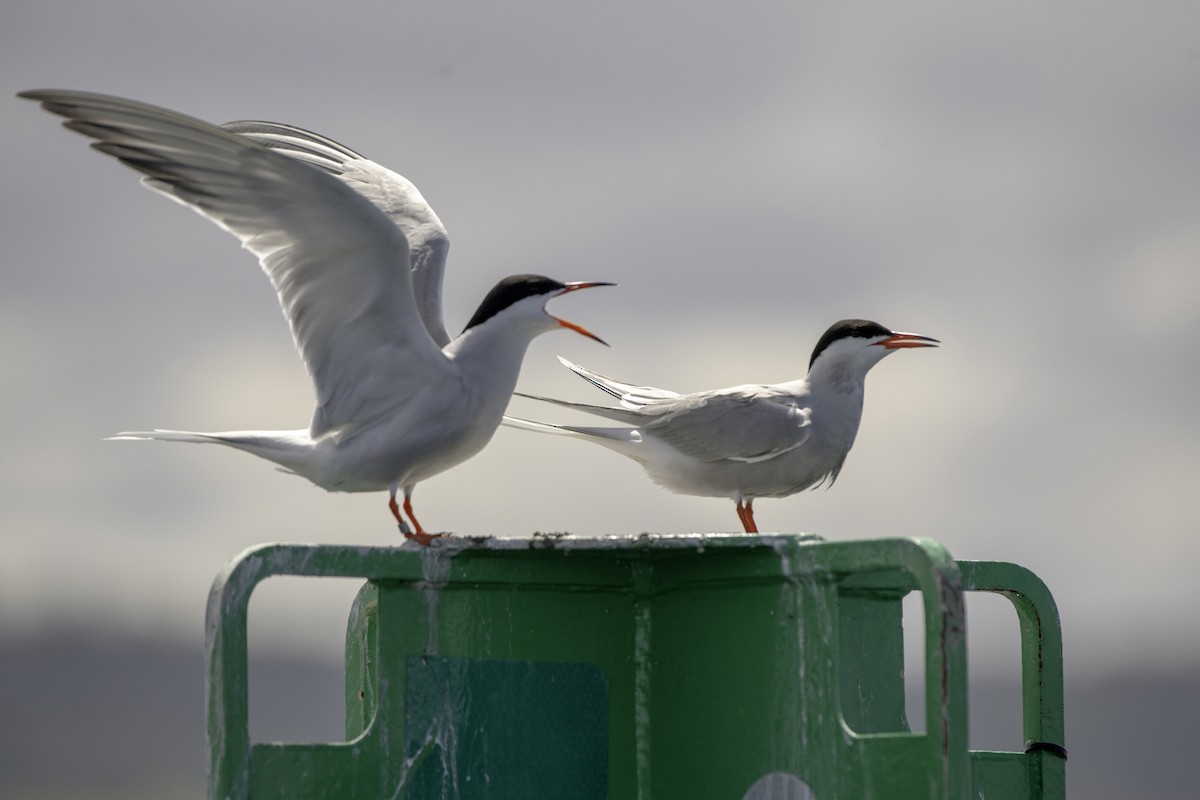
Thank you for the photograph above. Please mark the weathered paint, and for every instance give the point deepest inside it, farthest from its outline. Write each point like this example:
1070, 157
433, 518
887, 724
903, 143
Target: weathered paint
719, 666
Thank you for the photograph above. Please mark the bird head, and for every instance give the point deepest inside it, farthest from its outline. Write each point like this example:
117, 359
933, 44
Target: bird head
853, 346
525, 297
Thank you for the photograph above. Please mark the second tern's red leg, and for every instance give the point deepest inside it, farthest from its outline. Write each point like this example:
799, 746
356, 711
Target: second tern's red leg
752, 526
746, 515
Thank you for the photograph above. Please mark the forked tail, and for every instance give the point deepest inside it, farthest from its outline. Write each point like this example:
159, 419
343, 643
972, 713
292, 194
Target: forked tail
291, 450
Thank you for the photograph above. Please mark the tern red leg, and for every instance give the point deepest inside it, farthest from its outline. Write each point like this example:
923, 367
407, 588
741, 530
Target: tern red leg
420, 536
746, 515
752, 527
396, 513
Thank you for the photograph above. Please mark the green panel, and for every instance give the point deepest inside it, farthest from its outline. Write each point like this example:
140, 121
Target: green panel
551, 625
871, 657
540, 622
308, 772
725, 689
482, 728
1002, 775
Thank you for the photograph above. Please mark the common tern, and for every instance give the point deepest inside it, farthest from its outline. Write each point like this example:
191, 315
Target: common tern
744, 442
356, 256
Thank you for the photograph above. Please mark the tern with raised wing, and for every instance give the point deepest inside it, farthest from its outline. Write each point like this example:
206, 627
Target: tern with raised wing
356, 256
744, 442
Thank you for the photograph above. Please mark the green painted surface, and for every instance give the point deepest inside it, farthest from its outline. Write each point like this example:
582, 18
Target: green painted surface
655, 668
485, 728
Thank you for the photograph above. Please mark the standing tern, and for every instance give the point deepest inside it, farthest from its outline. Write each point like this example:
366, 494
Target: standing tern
356, 256
744, 442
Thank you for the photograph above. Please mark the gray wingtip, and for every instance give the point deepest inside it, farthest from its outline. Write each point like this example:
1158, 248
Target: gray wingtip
43, 95
531, 425
128, 436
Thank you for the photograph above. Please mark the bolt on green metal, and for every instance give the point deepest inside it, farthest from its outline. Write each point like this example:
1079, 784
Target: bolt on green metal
647, 668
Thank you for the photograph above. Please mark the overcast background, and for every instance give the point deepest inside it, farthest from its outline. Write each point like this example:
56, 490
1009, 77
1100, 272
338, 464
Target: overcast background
1020, 180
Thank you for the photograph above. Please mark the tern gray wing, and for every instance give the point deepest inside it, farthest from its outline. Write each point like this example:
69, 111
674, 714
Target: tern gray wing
340, 266
748, 424
637, 401
628, 416
631, 396
390, 192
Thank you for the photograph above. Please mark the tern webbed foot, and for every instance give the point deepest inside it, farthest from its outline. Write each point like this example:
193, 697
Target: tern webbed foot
421, 537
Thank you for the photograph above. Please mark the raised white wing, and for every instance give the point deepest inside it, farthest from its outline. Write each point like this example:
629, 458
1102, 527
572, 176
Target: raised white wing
340, 266
391, 193
745, 423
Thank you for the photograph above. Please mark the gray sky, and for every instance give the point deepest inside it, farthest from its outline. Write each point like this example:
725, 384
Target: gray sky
1020, 180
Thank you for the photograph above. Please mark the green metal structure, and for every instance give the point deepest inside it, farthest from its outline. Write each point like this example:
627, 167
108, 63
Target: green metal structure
647, 668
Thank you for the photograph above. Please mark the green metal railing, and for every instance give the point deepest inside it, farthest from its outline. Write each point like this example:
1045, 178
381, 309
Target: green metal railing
654, 668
